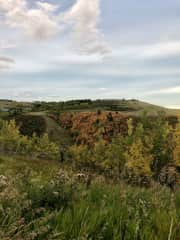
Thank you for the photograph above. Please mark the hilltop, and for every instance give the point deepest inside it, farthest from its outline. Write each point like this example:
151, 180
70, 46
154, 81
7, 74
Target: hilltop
117, 105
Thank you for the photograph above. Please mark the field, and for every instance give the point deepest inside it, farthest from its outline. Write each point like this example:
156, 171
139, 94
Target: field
107, 170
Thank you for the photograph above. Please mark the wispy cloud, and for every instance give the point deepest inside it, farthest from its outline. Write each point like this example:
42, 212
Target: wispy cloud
162, 49
169, 90
6, 45
5, 62
73, 59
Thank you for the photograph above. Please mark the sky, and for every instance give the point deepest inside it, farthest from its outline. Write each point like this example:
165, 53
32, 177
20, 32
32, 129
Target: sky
56, 50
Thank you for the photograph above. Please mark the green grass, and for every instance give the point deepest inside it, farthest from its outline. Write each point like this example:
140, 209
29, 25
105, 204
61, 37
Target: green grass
43, 200
42, 169
113, 213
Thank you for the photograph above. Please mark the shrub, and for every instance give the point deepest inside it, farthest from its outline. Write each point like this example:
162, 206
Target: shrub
12, 142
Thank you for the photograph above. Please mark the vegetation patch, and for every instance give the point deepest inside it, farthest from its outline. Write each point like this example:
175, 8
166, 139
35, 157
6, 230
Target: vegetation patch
90, 175
30, 124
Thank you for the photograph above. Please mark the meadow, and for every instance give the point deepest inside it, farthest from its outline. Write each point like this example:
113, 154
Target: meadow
89, 175
50, 201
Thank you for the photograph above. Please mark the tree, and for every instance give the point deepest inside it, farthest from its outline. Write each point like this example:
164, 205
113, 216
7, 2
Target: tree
138, 154
115, 155
161, 150
9, 136
11, 141
138, 160
176, 141
46, 149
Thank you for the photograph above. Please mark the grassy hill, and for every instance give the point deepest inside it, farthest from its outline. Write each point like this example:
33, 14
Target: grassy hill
119, 105
55, 132
6, 104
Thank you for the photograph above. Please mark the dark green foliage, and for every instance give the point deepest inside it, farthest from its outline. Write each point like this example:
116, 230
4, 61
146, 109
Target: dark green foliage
16, 111
29, 124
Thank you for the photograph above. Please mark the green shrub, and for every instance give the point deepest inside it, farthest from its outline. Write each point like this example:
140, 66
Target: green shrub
12, 142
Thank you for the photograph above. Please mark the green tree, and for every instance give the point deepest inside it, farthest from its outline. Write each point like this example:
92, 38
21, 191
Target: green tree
176, 149
11, 141
161, 150
46, 149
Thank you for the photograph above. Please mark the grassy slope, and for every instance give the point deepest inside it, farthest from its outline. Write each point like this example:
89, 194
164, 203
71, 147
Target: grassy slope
14, 165
13, 104
129, 106
55, 132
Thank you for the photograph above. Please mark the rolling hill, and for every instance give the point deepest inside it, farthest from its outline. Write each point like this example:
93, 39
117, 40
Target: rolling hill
125, 106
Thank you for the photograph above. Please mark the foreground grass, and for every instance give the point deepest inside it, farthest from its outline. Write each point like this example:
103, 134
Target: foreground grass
42, 201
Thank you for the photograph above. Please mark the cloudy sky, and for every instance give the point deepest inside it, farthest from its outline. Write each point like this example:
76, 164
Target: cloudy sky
65, 49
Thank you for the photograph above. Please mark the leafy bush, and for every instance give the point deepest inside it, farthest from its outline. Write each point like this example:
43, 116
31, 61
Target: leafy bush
12, 142
29, 125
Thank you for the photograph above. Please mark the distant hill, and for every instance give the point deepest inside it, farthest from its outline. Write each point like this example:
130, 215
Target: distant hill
86, 105
132, 106
6, 105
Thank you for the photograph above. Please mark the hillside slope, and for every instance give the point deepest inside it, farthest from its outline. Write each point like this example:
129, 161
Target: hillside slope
55, 132
119, 105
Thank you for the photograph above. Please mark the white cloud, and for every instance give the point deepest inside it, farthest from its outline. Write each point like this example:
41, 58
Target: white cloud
38, 23
170, 90
164, 49
84, 18
9, 5
75, 60
43, 21
6, 45
47, 7
103, 89
151, 51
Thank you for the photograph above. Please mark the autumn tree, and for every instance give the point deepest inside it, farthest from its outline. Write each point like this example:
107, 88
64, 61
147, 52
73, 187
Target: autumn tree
138, 160
138, 154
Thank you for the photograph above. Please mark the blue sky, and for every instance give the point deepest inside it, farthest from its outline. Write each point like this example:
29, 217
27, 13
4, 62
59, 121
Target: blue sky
71, 49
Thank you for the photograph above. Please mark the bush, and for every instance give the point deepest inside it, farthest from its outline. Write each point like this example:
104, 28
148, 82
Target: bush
12, 142
29, 125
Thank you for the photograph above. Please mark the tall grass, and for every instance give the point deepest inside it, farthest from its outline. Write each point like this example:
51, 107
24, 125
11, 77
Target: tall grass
62, 208
112, 213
